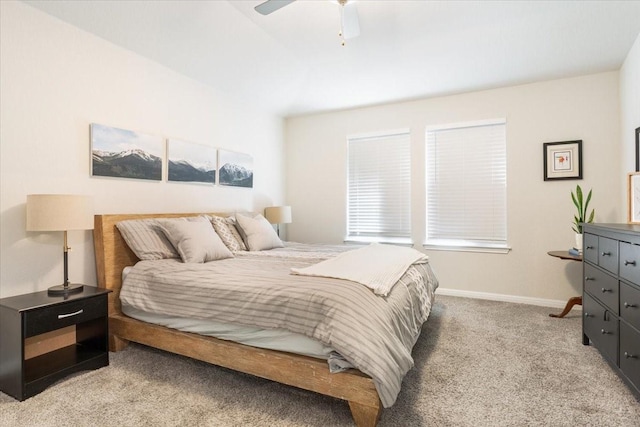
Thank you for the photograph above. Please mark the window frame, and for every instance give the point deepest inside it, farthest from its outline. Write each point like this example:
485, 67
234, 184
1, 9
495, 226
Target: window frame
457, 244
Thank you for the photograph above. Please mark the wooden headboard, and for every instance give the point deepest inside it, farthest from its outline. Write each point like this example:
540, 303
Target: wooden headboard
113, 254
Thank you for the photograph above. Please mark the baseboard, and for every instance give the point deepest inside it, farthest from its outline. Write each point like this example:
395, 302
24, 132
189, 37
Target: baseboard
505, 298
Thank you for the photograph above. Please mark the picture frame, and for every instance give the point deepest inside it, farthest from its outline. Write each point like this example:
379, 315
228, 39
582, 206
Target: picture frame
633, 198
638, 149
562, 160
235, 169
189, 162
123, 153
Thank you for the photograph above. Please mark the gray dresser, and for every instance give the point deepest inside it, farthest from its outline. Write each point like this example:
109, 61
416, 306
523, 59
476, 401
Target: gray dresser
611, 298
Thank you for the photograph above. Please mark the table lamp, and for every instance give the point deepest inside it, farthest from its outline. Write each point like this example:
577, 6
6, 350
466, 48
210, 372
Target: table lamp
60, 212
278, 215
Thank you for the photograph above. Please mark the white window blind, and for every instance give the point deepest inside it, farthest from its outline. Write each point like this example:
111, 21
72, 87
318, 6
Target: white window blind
379, 188
466, 166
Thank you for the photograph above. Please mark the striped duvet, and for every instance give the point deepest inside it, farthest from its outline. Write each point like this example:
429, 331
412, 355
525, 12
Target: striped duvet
375, 334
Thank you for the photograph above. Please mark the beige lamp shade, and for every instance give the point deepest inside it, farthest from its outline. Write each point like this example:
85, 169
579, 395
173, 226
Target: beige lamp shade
59, 212
278, 214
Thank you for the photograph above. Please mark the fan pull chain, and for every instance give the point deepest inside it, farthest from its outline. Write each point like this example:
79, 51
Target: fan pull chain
341, 33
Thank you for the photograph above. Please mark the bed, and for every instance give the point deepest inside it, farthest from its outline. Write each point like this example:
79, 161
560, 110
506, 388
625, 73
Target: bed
113, 255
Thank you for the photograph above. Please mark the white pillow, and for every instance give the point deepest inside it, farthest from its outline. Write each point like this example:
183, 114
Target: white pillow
227, 231
260, 235
195, 240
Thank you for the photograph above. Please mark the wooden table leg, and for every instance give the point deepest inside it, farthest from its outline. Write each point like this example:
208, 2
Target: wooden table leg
567, 308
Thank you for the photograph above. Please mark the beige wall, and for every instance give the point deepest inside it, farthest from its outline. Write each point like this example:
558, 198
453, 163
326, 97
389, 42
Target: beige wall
55, 81
629, 113
539, 212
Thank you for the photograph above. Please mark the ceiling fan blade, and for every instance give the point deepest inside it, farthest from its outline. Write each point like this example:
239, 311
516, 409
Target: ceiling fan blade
350, 21
271, 6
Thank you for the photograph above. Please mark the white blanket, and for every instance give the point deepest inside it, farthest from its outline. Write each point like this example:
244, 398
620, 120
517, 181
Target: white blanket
376, 266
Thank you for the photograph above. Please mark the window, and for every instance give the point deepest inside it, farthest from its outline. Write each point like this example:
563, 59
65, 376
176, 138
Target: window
466, 167
379, 188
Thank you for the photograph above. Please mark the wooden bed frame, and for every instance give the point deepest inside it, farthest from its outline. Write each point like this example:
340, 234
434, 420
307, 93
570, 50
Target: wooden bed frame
113, 255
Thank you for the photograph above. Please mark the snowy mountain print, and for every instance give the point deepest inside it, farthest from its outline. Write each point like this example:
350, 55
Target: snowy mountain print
235, 169
122, 153
189, 162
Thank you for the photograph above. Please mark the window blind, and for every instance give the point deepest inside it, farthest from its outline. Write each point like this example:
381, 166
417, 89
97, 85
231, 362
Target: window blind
379, 188
466, 169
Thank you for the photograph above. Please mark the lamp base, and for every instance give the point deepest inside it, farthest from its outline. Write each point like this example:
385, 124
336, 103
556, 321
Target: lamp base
71, 288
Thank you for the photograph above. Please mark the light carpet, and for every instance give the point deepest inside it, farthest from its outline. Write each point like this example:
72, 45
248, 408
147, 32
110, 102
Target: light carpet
478, 363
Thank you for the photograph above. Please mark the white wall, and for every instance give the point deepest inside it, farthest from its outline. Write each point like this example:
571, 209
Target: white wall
629, 114
55, 80
539, 213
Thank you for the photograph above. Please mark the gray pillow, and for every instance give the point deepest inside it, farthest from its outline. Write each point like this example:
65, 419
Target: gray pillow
145, 238
260, 235
195, 240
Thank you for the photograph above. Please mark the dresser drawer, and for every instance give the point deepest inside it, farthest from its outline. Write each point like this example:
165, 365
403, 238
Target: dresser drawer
630, 262
630, 353
601, 326
608, 254
602, 286
590, 252
58, 316
630, 304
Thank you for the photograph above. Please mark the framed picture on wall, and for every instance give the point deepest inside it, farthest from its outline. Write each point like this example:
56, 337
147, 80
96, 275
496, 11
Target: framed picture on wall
633, 198
235, 169
123, 153
189, 162
562, 160
637, 149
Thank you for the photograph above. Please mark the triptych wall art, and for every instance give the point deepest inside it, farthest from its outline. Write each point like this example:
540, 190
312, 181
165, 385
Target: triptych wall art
121, 153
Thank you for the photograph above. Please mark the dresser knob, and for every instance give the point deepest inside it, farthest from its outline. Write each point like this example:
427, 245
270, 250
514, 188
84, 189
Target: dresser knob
627, 305
588, 315
589, 247
587, 278
629, 262
630, 356
603, 332
606, 253
605, 290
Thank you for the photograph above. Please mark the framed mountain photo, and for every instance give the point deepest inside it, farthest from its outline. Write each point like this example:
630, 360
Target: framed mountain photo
235, 169
121, 153
189, 162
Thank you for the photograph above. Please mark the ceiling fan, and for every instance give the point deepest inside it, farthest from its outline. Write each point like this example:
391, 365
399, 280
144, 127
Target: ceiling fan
349, 23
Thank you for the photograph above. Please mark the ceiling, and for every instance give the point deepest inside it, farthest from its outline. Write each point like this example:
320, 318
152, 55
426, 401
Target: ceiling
291, 62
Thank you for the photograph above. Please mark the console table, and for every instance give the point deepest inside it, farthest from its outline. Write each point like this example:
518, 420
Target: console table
574, 300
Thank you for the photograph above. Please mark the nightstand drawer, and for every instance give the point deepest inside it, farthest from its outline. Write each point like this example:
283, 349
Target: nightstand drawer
58, 316
608, 254
602, 286
601, 326
630, 304
630, 262
630, 353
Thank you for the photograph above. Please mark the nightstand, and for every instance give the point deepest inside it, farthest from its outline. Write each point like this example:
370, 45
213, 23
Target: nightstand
45, 338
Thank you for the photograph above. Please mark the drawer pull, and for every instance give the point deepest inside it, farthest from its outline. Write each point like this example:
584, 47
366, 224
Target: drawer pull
587, 278
589, 247
603, 332
606, 253
627, 305
62, 316
630, 356
629, 262
588, 315
605, 290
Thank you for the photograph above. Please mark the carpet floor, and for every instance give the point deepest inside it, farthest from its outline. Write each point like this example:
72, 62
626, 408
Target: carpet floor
478, 363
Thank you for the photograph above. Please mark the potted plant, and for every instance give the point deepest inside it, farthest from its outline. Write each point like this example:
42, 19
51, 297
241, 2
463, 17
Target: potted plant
582, 205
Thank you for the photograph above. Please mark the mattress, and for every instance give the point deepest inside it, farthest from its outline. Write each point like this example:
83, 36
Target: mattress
272, 339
